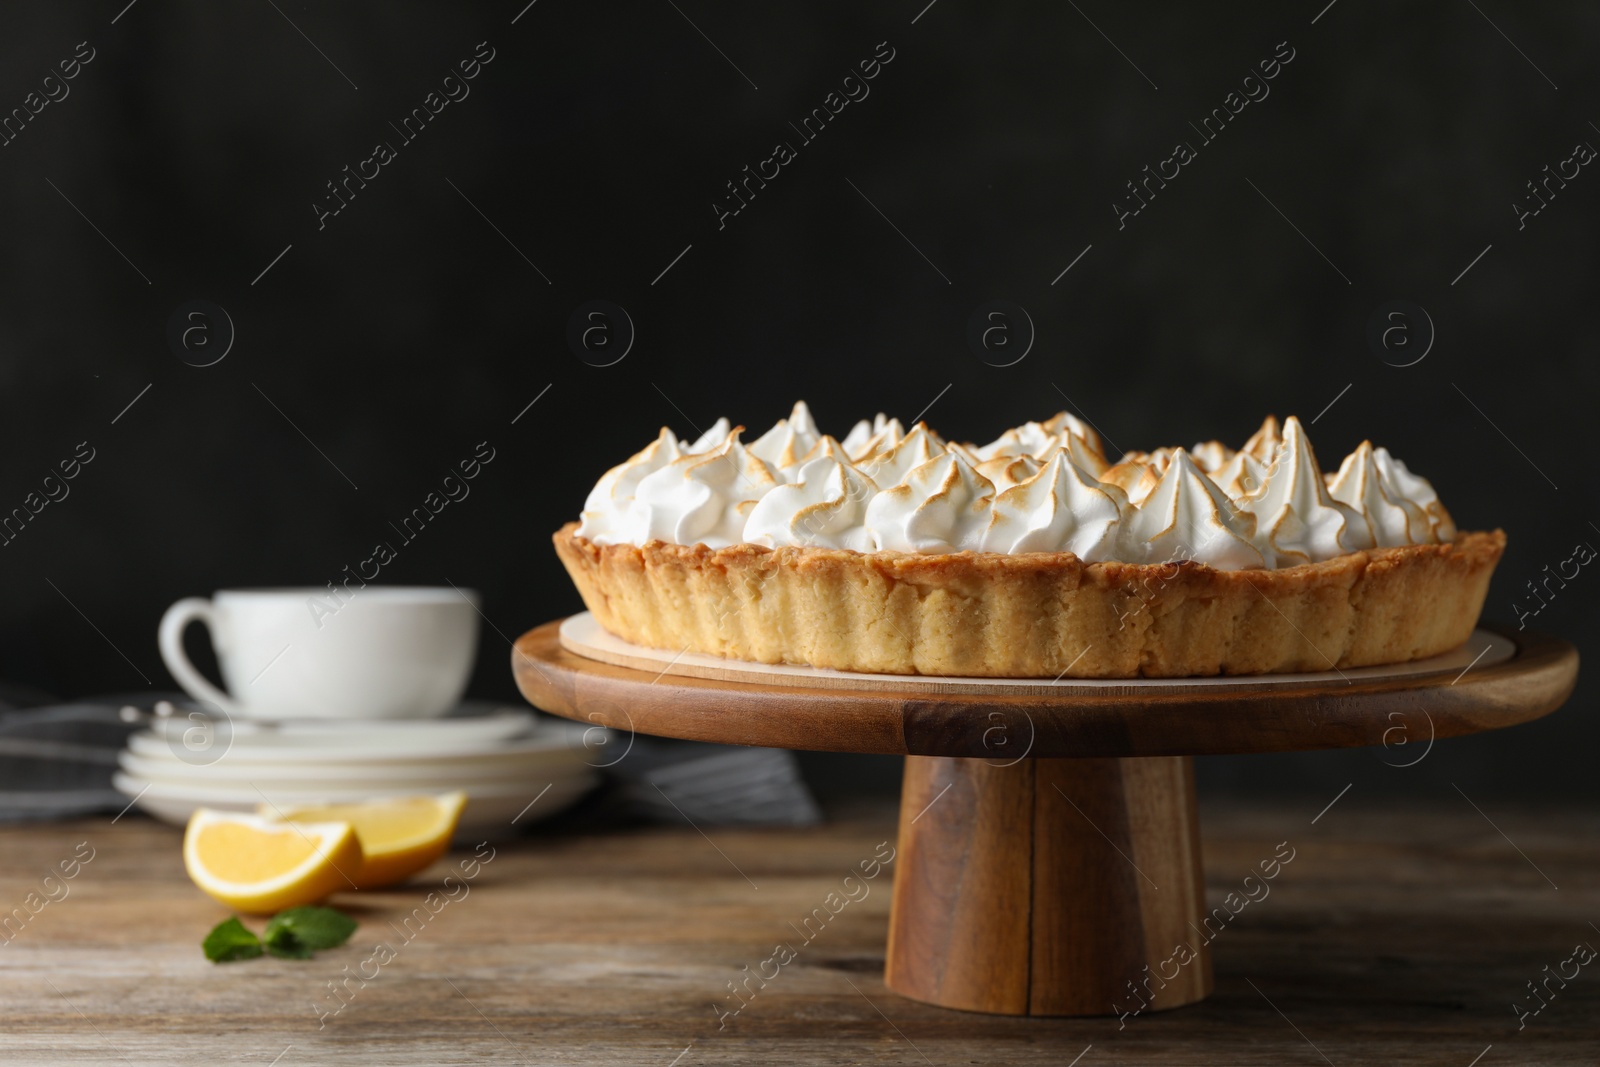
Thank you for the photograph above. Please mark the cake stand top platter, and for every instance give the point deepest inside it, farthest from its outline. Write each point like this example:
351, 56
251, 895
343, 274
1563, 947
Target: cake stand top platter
1501, 677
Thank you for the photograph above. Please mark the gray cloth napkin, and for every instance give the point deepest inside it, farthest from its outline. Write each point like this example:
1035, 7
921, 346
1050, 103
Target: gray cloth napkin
712, 785
56, 761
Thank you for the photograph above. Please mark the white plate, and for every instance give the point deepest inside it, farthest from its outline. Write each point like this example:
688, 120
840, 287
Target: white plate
492, 813
551, 741
228, 770
472, 725
248, 784
229, 779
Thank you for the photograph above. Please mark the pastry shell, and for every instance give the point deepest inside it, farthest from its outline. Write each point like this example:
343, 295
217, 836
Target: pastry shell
1034, 615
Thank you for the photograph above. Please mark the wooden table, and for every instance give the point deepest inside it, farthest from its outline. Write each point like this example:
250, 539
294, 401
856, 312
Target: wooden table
1396, 935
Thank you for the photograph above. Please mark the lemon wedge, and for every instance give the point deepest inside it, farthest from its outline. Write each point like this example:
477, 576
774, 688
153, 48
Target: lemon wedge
399, 835
258, 865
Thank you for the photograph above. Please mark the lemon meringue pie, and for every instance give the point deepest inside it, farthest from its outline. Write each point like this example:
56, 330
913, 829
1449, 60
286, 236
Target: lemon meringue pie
893, 550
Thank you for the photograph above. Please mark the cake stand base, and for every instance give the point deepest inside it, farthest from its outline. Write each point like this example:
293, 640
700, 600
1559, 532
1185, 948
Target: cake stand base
1048, 886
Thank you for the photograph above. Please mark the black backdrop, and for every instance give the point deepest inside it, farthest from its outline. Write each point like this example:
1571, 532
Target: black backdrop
585, 160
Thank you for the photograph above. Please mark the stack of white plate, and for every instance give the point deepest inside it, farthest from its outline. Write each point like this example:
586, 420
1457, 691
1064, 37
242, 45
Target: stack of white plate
515, 768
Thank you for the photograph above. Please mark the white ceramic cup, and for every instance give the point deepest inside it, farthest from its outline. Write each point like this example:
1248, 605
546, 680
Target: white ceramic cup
378, 652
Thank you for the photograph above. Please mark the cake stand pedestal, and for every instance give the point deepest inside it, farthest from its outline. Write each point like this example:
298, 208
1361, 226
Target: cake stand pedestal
1049, 846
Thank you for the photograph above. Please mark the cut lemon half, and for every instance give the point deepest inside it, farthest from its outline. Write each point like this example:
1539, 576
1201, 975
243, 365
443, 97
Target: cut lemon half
399, 835
259, 865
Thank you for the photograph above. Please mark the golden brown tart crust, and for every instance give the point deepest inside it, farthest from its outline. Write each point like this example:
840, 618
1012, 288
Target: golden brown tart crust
1034, 615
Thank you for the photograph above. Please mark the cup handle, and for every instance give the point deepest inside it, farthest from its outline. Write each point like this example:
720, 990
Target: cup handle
170, 638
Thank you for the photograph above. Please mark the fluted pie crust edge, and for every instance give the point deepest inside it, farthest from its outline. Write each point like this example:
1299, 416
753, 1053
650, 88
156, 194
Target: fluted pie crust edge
1034, 615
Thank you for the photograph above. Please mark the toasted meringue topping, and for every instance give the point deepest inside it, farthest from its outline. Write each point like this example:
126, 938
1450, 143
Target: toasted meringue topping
1395, 520
787, 443
1241, 475
712, 438
1156, 460
1400, 482
1029, 439
941, 506
703, 498
1211, 456
1063, 423
1265, 442
1296, 520
1040, 439
1085, 454
1039, 487
964, 451
1135, 478
826, 446
609, 516
1187, 517
869, 438
1062, 508
889, 468
1003, 471
826, 506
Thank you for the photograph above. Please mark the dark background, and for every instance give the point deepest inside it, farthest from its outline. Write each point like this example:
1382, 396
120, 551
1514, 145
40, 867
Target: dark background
996, 141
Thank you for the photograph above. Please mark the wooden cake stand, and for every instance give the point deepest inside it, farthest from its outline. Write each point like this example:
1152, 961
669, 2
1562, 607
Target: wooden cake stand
1049, 847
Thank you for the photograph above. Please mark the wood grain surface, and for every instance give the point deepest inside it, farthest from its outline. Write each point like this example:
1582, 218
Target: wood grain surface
1005, 901
1172, 721
1398, 935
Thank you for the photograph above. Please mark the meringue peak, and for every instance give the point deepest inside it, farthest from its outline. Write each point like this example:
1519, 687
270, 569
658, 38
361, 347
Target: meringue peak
868, 438
800, 418
711, 438
789, 440
1360, 485
1062, 508
1265, 442
824, 506
1029, 439
1004, 471
1400, 482
1187, 517
1085, 454
941, 506
1211, 456
826, 446
891, 466
1296, 519
608, 513
1241, 475
1063, 423
703, 497
1134, 477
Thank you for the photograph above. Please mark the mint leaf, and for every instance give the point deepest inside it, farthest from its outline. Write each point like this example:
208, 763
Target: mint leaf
296, 932
229, 940
285, 945
292, 935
